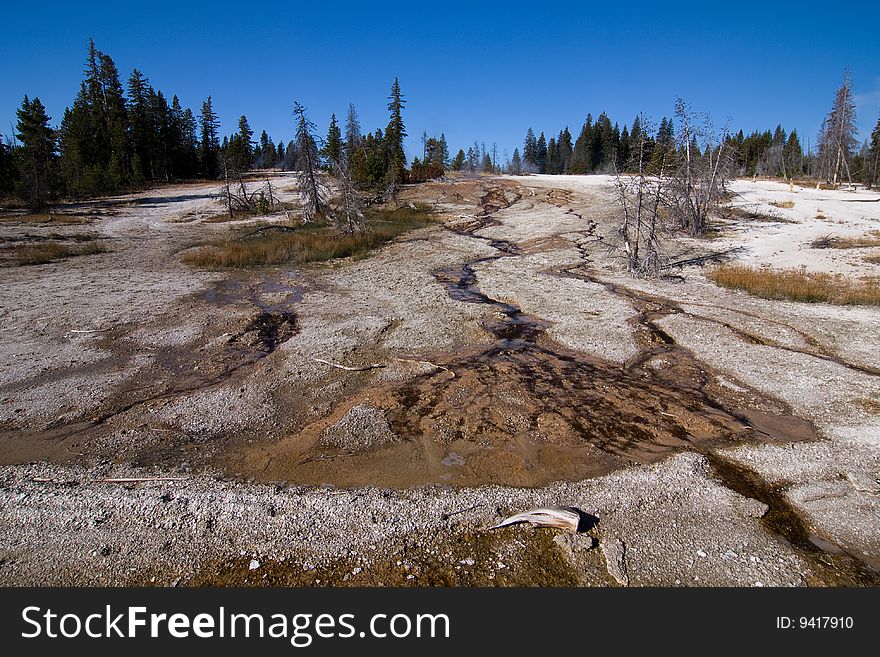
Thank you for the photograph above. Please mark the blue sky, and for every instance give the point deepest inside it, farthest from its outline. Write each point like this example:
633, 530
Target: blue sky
481, 71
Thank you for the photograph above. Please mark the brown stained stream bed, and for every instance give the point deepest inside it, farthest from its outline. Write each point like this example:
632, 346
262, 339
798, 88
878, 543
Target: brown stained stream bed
525, 411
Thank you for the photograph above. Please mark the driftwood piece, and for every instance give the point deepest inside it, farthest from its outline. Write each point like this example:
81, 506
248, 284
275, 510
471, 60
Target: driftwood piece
134, 480
376, 366
709, 257
111, 480
425, 362
561, 517
362, 368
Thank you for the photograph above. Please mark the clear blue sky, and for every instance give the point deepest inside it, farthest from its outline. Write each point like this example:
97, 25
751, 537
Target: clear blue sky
475, 70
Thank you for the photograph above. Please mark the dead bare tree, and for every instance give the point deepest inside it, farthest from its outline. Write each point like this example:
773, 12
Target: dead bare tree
639, 196
697, 183
261, 200
349, 214
313, 190
837, 137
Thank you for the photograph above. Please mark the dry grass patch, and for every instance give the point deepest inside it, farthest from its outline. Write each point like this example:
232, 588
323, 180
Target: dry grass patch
798, 285
44, 252
787, 205
273, 244
43, 218
874, 260
870, 240
751, 213
811, 184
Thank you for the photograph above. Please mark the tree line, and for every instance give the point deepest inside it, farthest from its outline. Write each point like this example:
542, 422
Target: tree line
113, 138
603, 147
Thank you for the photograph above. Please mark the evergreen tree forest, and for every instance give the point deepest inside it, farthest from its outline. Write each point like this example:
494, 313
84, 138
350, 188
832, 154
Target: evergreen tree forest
604, 147
117, 136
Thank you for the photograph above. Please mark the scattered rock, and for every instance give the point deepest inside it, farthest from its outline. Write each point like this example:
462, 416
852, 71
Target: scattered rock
253, 565
754, 508
574, 543
863, 482
614, 551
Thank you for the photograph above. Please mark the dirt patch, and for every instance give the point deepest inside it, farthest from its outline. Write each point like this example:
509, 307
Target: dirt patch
458, 559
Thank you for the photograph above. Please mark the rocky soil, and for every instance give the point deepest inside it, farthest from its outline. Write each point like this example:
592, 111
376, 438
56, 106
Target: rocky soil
503, 360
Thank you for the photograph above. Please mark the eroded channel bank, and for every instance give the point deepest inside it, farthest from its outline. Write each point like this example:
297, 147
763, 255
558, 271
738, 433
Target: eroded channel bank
524, 411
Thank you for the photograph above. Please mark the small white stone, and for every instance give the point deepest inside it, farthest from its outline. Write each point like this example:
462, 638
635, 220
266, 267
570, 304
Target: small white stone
253, 565
702, 554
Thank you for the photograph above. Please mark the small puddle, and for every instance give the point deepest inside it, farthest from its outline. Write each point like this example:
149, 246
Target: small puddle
269, 296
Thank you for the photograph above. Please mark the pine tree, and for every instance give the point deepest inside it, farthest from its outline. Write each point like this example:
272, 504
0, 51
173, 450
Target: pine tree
242, 148
209, 146
93, 135
190, 144
623, 150
288, 161
163, 134
515, 163
458, 161
541, 154
530, 151
553, 164
332, 151
139, 125
353, 136
264, 157
793, 155
486, 164
444, 151
664, 145
36, 155
872, 164
394, 135
112, 111
563, 143
601, 143
580, 156
311, 188
7, 170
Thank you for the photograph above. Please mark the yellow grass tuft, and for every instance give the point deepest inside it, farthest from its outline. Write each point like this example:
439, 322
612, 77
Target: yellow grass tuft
798, 285
280, 243
43, 218
866, 241
787, 205
40, 254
